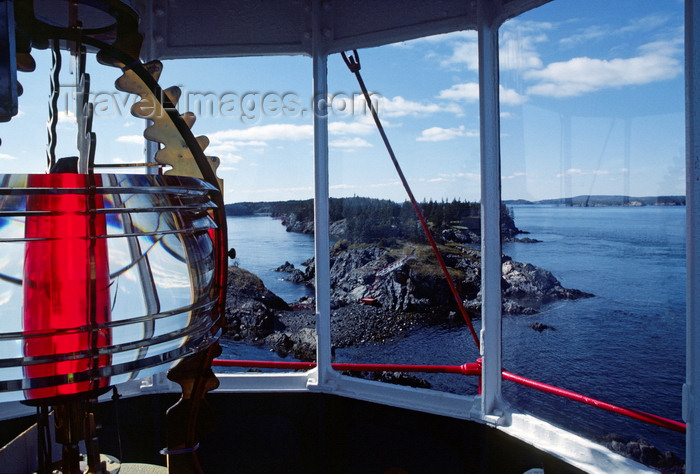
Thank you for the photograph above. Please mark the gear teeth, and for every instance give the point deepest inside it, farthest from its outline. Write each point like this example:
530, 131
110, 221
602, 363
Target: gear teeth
25, 62
189, 118
165, 133
203, 141
173, 94
174, 152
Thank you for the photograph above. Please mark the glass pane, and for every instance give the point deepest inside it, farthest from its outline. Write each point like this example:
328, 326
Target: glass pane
593, 174
256, 113
391, 302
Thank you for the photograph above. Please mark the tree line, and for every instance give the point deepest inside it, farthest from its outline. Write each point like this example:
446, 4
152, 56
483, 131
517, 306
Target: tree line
371, 220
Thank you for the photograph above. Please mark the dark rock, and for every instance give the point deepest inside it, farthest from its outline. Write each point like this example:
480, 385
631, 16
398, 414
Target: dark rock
531, 286
338, 229
526, 240
641, 451
280, 342
463, 236
511, 307
361, 272
294, 224
300, 344
286, 268
249, 319
397, 378
243, 284
249, 306
539, 327
296, 276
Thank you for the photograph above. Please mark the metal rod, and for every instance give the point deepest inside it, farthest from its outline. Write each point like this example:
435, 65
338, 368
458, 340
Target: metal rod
691, 399
629, 412
491, 348
321, 197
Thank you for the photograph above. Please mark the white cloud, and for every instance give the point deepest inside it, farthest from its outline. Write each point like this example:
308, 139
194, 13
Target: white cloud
516, 47
455, 176
438, 134
227, 158
354, 142
5, 156
224, 148
66, 116
464, 53
262, 133
399, 107
132, 139
580, 172
595, 32
656, 62
469, 92
120, 160
570, 172
363, 125
585, 35
441, 38
510, 96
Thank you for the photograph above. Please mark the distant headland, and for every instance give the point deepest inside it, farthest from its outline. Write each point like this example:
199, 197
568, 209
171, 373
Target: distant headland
605, 201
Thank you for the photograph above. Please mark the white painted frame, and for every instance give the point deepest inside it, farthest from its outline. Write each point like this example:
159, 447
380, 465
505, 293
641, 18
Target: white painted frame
489, 407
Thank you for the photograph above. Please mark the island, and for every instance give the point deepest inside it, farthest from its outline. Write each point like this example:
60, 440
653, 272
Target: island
384, 277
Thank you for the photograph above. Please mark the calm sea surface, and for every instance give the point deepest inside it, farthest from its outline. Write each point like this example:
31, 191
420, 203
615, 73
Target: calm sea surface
625, 346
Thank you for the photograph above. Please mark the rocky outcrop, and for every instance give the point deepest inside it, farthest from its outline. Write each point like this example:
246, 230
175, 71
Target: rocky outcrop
640, 450
402, 288
250, 306
541, 327
294, 224
531, 286
295, 275
463, 236
285, 267
401, 281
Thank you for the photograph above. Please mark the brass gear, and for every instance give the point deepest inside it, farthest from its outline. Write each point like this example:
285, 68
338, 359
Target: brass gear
174, 151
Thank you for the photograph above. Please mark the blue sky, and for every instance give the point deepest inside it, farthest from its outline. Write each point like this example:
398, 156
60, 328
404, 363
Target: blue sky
591, 103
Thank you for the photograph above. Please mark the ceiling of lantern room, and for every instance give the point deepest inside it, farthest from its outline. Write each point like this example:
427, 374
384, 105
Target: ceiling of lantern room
186, 28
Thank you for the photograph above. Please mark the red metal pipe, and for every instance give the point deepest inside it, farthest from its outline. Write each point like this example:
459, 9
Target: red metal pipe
630, 412
464, 369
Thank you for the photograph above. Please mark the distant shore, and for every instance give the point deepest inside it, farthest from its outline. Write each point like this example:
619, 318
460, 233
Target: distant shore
604, 201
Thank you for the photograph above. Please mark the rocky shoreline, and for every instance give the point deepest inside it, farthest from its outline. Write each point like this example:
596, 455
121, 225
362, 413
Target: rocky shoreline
380, 293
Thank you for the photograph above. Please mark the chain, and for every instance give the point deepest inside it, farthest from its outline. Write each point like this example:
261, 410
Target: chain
53, 104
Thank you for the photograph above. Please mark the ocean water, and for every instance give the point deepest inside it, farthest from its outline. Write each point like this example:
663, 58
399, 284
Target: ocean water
625, 346
263, 244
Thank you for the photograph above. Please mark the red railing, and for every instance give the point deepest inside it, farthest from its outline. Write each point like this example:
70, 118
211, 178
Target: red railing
465, 369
